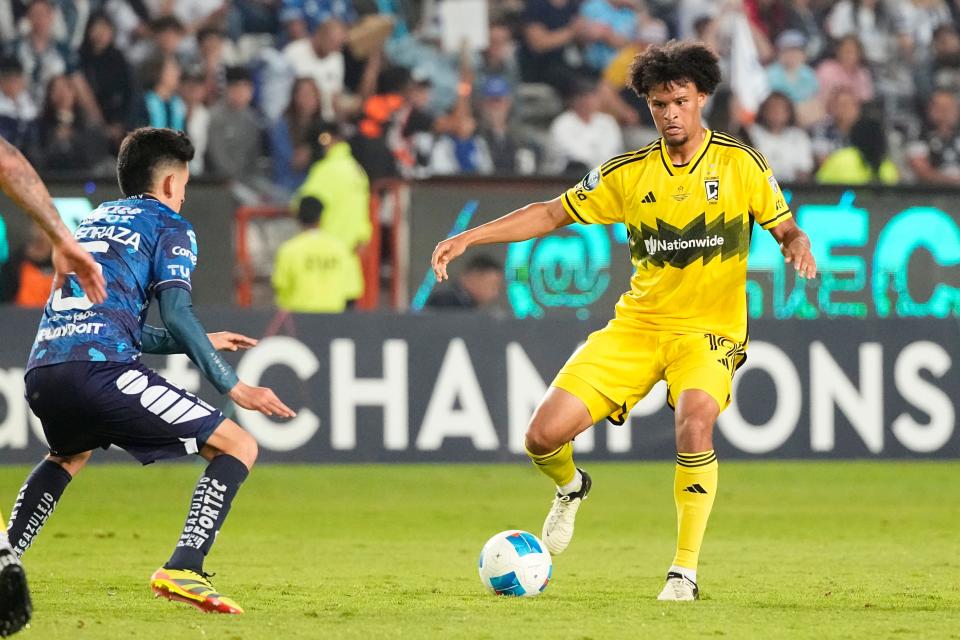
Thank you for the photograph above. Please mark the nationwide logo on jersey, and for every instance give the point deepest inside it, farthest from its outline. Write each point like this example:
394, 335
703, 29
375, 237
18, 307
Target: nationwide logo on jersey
668, 245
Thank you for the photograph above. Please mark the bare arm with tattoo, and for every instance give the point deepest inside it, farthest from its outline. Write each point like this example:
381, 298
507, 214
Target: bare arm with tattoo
20, 182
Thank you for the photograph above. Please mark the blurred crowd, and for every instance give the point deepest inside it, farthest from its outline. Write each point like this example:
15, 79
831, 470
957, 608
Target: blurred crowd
848, 91
312, 101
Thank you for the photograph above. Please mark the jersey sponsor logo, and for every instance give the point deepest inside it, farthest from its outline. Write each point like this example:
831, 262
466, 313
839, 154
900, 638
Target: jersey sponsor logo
712, 187
112, 214
774, 185
174, 406
666, 244
67, 330
185, 253
179, 271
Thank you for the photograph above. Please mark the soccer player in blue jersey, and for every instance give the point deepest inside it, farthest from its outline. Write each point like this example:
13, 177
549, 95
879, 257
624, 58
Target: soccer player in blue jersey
87, 385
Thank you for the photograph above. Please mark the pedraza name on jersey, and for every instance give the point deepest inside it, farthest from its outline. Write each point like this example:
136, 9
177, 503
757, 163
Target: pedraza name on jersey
122, 235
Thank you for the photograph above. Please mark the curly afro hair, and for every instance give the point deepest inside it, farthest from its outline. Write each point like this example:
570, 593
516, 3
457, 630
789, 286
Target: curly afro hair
675, 62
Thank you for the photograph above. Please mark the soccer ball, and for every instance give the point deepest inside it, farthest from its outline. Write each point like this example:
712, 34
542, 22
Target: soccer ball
515, 563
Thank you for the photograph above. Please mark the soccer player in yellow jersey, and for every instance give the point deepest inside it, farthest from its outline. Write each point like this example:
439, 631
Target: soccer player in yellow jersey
689, 201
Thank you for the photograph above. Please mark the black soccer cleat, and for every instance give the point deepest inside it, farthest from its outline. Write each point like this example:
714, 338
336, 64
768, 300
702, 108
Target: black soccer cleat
15, 605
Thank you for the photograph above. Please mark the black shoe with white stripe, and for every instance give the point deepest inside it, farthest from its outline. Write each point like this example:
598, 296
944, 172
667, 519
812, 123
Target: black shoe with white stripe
15, 605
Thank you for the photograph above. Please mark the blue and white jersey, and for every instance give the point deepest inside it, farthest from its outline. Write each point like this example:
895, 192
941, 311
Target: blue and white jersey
142, 247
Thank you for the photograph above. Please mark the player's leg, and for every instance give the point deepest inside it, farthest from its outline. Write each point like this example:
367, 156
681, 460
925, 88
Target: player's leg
39, 496
699, 374
231, 453
614, 363
15, 605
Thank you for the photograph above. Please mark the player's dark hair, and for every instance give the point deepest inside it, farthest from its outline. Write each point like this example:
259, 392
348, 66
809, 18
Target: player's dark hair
483, 263
310, 211
674, 63
144, 151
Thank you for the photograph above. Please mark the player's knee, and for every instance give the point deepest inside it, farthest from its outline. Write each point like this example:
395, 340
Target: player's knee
538, 440
246, 449
694, 432
72, 464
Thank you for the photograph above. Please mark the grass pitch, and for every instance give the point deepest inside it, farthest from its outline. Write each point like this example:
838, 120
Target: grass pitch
794, 550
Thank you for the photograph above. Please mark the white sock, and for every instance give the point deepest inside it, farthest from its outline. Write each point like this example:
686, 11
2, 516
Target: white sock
689, 574
573, 486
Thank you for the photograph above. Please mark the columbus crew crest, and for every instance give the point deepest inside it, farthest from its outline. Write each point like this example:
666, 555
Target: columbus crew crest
713, 189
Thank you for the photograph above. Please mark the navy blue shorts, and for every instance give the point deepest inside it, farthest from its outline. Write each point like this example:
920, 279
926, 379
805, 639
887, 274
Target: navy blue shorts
86, 405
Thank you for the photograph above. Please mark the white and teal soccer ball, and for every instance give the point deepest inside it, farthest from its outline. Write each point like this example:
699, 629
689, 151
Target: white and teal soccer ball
515, 563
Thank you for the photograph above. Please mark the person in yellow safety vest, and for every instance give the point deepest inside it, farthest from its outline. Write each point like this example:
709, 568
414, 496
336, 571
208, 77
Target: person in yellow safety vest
863, 161
338, 181
313, 268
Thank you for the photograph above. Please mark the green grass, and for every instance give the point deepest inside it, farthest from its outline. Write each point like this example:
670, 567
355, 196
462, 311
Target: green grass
794, 550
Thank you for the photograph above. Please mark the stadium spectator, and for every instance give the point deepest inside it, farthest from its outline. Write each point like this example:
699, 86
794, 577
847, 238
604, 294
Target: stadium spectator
321, 57
290, 148
549, 28
211, 45
846, 70
161, 106
166, 36
608, 26
18, 113
582, 137
27, 277
378, 131
495, 129
479, 286
945, 69
67, 141
44, 57
935, 154
193, 91
863, 161
195, 15
300, 18
499, 59
803, 18
417, 128
461, 151
252, 17
339, 182
109, 76
776, 135
235, 138
768, 17
832, 133
312, 268
869, 20
791, 75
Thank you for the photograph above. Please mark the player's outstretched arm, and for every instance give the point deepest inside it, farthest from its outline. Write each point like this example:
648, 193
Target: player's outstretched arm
532, 221
160, 341
176, 310
795, 247
20, 182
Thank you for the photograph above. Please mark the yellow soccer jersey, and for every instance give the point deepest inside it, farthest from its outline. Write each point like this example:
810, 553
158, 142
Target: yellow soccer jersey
689, 229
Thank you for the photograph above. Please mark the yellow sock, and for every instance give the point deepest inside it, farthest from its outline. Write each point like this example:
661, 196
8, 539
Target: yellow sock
558, 464
694, 488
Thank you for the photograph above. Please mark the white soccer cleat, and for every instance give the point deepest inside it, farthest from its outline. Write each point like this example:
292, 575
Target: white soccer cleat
679, 589
558, 527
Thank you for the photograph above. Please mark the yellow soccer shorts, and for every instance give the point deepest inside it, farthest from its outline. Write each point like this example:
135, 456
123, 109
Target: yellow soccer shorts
619, 364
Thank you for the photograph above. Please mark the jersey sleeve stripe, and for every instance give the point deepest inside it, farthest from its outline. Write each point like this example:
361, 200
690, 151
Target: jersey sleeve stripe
173, 282
745, 150
614, 159
733, 142
617, 161
627, 161
769, 224
571, 210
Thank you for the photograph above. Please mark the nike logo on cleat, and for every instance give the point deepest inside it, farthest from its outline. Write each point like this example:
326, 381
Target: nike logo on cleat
695, 488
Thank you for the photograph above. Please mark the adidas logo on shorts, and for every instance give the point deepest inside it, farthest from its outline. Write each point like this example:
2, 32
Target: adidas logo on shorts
172, 405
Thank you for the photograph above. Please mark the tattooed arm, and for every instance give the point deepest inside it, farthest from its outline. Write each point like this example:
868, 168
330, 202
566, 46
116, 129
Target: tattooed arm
21, 183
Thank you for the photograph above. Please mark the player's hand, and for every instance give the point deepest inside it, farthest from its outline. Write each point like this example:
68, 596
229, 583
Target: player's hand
69, 257
260, 399
798, 252
445, 252
229, 341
